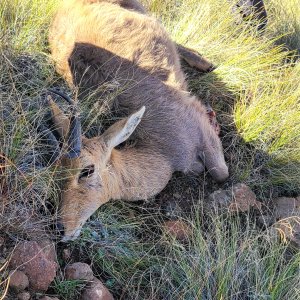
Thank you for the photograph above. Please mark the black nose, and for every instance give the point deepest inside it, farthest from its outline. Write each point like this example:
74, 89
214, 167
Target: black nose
60, 228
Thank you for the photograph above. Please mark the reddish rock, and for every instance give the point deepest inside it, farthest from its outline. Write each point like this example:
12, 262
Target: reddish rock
30, 258
95, 290
23, 296
243, 198
48, 248
239, 198
287, 212
18, 281
79, 271
178, 229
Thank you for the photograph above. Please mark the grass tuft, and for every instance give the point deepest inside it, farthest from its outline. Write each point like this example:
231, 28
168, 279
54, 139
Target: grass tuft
68, 289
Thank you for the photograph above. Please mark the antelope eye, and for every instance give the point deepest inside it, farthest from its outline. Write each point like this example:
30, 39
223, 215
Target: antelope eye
87, 172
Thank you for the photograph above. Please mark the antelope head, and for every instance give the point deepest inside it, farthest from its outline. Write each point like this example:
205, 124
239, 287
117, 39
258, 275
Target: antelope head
85, 166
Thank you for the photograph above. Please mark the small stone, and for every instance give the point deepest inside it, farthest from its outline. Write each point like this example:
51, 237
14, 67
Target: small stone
178, 229
286, 207
29, 257
18, 281
220, 199
23, 296
49, 298
287, 212
66, 254
96, 291
79, 271
244, 198
238, 199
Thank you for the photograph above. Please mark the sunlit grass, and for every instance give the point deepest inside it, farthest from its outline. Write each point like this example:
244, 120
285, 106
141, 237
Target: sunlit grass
24, 24
285, 22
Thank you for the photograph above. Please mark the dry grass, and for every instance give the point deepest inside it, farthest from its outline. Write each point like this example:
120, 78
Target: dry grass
255, 90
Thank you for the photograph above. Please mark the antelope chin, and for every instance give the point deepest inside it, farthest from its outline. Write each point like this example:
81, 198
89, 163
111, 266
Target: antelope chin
71, 236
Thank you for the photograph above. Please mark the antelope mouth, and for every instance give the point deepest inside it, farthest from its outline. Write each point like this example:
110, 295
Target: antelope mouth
71, 236
219, 174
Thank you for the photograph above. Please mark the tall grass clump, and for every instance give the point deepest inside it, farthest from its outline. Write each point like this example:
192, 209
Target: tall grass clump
24, 24
285, 22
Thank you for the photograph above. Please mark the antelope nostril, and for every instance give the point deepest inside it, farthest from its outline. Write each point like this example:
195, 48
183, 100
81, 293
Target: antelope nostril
60, 228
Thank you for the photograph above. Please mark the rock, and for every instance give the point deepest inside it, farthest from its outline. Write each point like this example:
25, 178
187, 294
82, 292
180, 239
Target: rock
79, 271
238, 199
287, 212
48, 248
96, 291
178, 229
220, 199
244, 198
23, 296
66, 254
30, 258
18, 281
49, 298
286, 207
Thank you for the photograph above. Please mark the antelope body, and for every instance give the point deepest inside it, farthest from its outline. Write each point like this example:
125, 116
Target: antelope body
96, 41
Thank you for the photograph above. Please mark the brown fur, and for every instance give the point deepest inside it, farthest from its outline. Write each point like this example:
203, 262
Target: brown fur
96, 41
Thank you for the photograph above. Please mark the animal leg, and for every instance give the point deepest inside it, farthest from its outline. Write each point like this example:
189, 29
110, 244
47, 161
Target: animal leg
253, 11
194, 59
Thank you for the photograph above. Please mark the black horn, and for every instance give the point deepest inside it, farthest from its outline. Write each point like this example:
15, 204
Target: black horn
64, 96
74, 135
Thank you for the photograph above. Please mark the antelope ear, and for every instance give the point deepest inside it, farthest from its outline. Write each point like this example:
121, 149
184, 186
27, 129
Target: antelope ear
60, 120
121, 130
